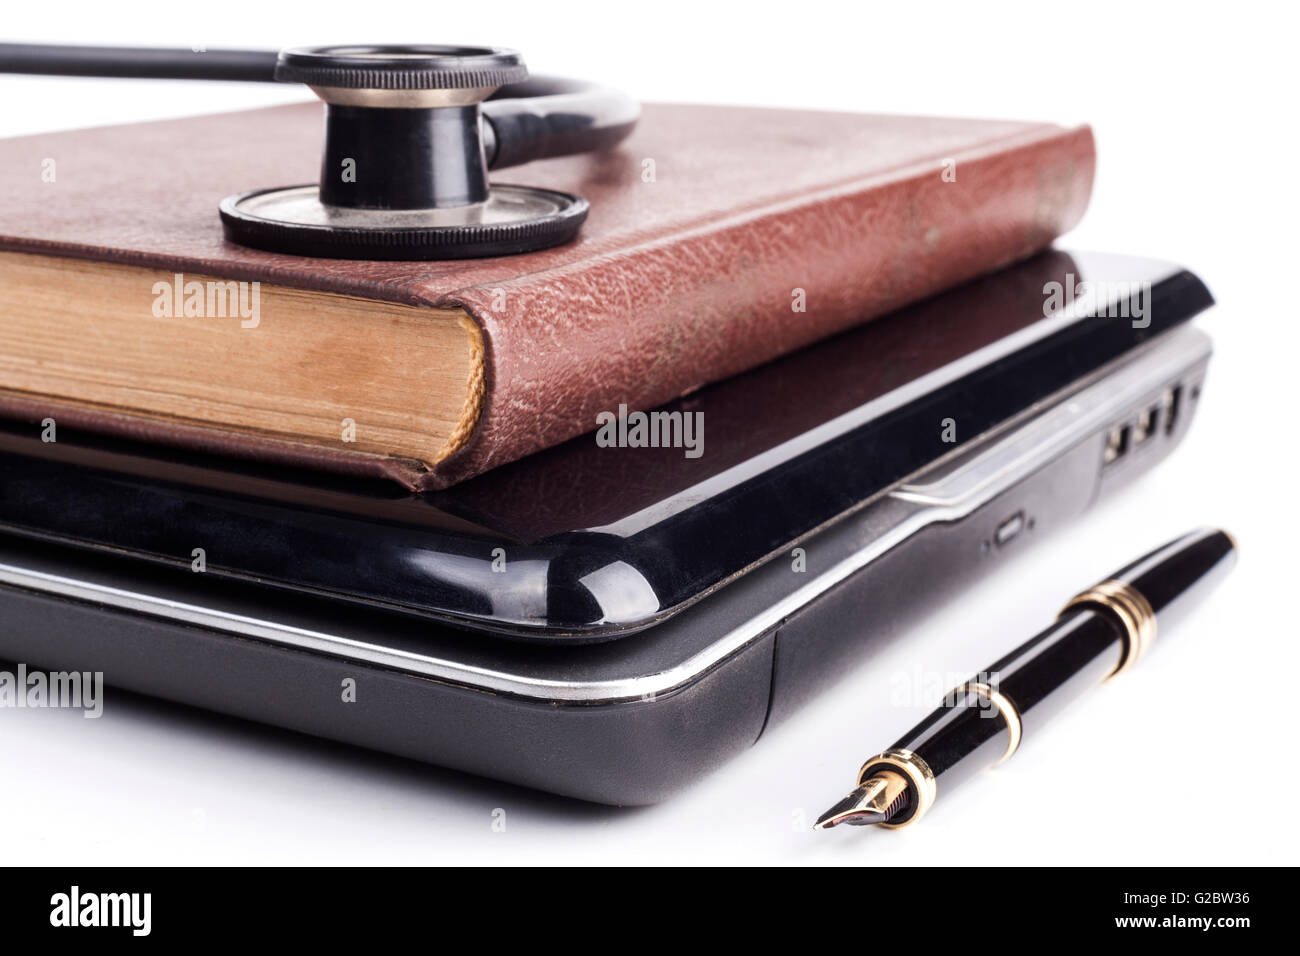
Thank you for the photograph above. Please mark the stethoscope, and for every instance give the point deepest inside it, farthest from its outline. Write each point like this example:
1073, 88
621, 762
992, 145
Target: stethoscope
410, 133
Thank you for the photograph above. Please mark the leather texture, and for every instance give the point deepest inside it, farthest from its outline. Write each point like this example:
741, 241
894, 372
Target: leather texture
704, 225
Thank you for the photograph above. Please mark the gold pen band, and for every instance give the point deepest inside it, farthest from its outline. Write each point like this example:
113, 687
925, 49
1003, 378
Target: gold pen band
917, 772
1132, 609
1008, 711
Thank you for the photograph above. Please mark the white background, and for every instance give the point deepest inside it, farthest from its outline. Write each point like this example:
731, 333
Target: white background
1190, 758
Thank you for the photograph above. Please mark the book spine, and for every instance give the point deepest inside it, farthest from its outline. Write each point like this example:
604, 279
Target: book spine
646, 324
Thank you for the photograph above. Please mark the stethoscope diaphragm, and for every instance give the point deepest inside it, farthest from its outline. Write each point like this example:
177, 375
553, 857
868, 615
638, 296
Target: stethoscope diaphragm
512, 220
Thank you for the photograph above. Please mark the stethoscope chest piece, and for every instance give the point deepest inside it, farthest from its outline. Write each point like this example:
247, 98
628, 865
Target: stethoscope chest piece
404, 169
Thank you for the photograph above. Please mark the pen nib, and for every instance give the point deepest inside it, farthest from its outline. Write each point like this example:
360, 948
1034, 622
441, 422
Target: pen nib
878, 800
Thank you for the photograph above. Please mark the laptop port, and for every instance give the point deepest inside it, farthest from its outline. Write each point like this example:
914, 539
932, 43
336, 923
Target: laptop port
1171, 400
1147, 423
1009, 529
1116, 444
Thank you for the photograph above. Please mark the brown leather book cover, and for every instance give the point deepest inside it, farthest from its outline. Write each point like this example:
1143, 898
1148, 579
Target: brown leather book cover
718, 238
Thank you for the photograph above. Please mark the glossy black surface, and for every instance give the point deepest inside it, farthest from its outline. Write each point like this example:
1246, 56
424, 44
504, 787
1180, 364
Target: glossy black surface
1175, 577
441, 158
603, 541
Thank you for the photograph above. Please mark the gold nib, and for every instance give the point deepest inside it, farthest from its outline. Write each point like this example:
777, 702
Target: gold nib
876, 801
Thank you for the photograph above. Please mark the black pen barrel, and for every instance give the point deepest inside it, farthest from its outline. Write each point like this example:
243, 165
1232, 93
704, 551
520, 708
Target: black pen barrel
981, 723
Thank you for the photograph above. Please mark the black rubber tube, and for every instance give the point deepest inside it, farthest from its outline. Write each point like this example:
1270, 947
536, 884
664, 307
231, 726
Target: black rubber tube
256, 66
549, 116
536, 119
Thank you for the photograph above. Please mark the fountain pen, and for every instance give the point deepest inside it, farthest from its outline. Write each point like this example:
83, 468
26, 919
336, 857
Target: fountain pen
1101, 632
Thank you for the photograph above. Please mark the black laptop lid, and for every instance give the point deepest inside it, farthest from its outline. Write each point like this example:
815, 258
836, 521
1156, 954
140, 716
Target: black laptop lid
599, 537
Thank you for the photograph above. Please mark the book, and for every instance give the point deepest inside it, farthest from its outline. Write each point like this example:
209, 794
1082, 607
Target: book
719, 238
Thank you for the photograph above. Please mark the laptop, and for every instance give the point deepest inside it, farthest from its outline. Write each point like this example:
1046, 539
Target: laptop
611, 619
